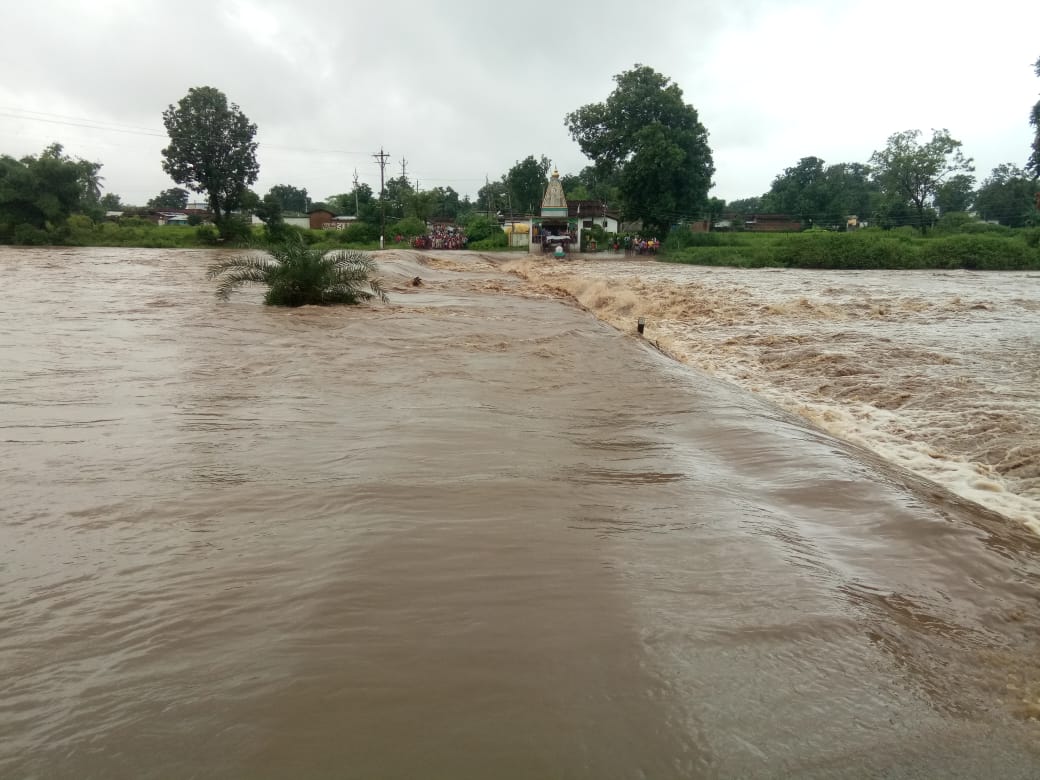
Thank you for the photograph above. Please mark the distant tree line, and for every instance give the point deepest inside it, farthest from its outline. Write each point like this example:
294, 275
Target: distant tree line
649, 159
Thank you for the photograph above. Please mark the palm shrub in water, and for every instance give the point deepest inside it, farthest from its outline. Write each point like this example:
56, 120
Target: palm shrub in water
298, 275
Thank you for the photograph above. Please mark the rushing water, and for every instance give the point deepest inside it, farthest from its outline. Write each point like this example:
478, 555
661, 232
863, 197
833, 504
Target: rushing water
938, 372
480, 533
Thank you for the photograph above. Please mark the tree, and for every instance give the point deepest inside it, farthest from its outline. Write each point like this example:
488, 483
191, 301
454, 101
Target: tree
1007, 196
715, 207
526, 182
646, 135
398, 194
911, 172
212, 149
592, 184
491, 195
446, 203
799, 191
359, 202
849, 191
173, 198
955, 194
1033, 166
111, 202
269, 211
297, 275
43, 191
290, 198
745, 206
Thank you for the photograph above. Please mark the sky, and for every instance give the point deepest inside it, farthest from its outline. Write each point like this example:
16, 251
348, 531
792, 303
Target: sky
462, 90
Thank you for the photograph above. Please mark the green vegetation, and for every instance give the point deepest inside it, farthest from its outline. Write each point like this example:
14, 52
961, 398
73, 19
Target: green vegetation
212, 150
917, 173
651, 144
298, 275
38, 193
992, 248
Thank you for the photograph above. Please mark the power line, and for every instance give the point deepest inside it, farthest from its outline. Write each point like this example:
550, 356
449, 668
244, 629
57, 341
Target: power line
112, 127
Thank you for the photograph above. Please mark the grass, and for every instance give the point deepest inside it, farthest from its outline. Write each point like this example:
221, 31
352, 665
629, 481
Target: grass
864, 249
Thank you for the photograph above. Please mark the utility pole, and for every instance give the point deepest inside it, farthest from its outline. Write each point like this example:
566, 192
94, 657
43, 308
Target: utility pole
381, 157
357, 208
487, 189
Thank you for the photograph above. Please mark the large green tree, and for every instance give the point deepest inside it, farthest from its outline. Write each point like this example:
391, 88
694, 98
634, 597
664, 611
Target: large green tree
291, 198
850, 191
360, 202
1007, 196
800, 191
526, 182
44, 190
398, 195
212, 149
592, 183
653, 141
955, 194
446, 203
911, 172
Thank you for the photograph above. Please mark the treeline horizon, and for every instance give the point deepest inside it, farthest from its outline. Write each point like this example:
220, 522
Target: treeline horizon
649, 161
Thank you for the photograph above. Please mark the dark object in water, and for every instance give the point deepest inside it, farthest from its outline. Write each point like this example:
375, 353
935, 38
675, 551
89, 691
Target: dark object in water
417, 282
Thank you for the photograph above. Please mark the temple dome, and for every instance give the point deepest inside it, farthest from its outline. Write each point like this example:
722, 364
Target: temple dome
554, 201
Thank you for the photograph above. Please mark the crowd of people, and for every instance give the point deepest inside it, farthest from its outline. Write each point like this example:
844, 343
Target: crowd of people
441, 239
637, 245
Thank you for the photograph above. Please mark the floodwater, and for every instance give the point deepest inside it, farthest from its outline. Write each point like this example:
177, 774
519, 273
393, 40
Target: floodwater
479, 533
935, 371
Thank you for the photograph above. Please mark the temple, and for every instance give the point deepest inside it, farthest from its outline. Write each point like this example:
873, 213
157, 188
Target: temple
553, 228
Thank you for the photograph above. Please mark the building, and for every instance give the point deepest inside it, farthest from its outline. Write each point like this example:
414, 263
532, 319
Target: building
555, 227
594, 212
323, 219
772, 223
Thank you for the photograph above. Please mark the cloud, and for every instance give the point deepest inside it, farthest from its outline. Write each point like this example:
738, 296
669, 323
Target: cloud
461, 90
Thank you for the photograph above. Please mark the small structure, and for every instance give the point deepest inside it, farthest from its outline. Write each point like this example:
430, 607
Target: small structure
594, 212
554, 227
772, 223
323, 219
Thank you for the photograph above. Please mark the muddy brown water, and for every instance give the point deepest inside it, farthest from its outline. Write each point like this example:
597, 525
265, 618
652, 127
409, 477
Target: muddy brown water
474, 533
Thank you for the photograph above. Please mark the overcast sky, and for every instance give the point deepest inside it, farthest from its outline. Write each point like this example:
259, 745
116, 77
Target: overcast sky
462, 90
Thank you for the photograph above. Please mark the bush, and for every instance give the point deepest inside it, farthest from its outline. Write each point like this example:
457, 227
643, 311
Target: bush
208, 234
954, 222
682, 238
236, 229
27, 235
79, 229
358, 233
409, 228
824, 249
987, 228
983, 252
761, 256
480, 229
298, 275
497, 240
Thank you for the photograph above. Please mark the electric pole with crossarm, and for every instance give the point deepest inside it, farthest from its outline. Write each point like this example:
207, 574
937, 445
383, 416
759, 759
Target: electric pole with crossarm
382, 157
